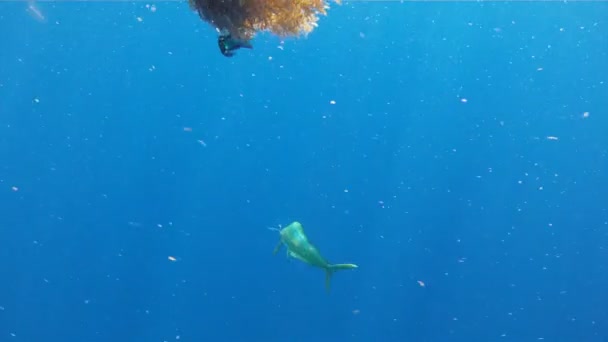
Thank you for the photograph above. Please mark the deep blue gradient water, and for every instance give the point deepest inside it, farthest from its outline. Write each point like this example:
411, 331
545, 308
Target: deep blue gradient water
459, 145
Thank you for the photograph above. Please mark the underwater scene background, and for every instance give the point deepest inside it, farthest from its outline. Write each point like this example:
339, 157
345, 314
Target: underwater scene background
455, 151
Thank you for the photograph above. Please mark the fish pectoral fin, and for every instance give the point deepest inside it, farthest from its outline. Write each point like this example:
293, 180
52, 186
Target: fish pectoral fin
278, 247
297, 256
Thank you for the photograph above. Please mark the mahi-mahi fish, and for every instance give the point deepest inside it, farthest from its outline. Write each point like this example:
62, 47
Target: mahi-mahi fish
300, 248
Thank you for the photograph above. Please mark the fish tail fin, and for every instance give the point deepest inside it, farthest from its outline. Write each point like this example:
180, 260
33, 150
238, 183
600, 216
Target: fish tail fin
244, 43
333, 268
328, 273
338, 267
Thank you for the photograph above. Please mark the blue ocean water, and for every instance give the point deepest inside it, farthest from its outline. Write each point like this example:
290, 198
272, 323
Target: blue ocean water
457, 152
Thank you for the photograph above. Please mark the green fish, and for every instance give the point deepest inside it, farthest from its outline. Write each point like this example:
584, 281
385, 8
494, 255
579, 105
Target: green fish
300, 248
229, 44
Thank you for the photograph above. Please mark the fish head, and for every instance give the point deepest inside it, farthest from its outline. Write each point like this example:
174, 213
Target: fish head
294, 228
